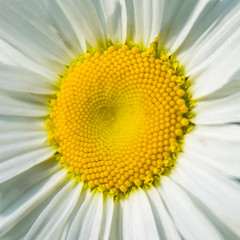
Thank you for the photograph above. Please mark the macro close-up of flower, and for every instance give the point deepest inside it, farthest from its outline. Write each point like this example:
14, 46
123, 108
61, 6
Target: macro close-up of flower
119, 119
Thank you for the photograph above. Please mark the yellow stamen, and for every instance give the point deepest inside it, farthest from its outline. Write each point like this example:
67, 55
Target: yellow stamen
119, 118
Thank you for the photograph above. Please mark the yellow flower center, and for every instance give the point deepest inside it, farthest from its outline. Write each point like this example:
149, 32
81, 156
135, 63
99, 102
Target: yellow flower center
119, 117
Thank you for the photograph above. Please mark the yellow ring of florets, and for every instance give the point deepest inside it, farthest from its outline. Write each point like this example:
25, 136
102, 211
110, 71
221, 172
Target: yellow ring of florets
119, 118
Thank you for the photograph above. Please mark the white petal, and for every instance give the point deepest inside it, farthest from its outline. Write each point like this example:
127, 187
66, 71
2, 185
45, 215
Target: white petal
201, 34
108, 208
143, 20
21, 162
195, 10
218, 195
50, 223
138, 219
157, 16
22, 145
11, 192
63, 28
87, 222
85, 21
18, 23
21, 135
9, 137
166, 227
215, 146
81, 199
18, 58
190, 222
212, 57
219, 111
226, 90
21, 80
10, 150
19, 104
218, 70
208, 32
113, 16
178, 19
116, 232
227, 133
15, 124
139, 21
19, 204
4, 58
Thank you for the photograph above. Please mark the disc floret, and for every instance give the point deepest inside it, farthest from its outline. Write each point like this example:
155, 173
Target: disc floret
119, 117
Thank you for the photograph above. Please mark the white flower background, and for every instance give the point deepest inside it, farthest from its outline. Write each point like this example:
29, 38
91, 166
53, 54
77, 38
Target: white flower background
201, 197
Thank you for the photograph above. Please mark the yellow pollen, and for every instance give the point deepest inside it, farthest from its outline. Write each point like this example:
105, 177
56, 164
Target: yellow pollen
119, 118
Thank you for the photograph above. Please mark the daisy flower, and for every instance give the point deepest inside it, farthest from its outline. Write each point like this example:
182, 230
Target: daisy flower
119, 119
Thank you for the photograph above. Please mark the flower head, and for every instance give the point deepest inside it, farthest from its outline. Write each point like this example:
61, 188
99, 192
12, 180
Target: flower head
119, 119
